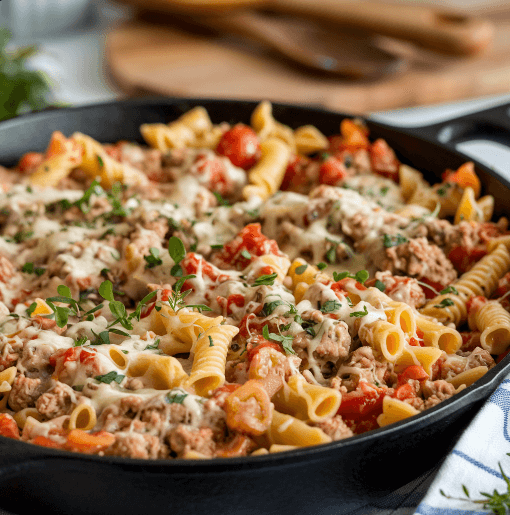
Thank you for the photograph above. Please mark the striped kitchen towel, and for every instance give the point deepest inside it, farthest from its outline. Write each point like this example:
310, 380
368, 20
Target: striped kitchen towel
474, 465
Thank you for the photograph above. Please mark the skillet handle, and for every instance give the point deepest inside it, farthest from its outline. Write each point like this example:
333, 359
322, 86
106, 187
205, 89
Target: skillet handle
491, 124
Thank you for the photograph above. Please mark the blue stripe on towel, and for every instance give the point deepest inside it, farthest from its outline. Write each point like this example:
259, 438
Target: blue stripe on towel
425, 509
477, 464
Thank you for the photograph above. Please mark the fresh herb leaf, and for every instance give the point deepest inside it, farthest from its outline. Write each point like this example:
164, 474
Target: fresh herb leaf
154, 346
393, 240
221, 200
301, 269
64, 291
362, 276
176, 397
265, 280
100, 160
176, 271
269, 307
384, 190
21, 236
176, 249
31, 309
218, 246
28, 268
445, 303
380, 285
106, 290
211, 344
153, 258
449, 289
321, 265
80, 341
109, 377
286, 341
360, 313
330, 305
246, 254
331, 253
103, 338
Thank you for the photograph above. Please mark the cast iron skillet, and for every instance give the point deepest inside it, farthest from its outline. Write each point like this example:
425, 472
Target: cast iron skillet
325, 479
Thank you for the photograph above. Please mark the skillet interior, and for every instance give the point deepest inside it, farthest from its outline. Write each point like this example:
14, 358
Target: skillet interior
324, 479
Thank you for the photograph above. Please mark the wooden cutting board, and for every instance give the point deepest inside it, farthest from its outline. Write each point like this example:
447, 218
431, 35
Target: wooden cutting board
155, 58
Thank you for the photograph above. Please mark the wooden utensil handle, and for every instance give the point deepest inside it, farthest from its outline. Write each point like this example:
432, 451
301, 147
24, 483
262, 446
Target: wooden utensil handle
427, 26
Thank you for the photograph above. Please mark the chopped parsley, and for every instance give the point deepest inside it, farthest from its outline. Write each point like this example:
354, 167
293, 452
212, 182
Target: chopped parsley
29, 268
449, 289
246, 254
380, 285
153, 258
80, 341
265, 280
286, 341
176, 397
269, 307
154, 346
445, 303
321, 265
360, 313
109, 377
301, 269
330, 305
211, 343
393, 240
361, 276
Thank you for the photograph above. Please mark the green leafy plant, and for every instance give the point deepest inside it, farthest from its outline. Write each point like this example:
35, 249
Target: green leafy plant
21, 89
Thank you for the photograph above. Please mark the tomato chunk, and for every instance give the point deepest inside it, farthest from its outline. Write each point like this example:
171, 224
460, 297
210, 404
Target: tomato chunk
8, 426
241, 145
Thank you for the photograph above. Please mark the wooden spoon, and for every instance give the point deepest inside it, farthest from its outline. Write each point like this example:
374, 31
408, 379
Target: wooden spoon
427, 26
341, 53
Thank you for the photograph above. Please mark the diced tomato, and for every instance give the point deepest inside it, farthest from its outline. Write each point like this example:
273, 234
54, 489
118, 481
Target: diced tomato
241, 145
8, 426
193, 264
416, 342
403, 392
258, 343
470, 340
81, 441
236, 299
250, 240
29, 161
365, 399
430, 293
464, 176
62, 356
503, 286
475, 303
295, 174
383, 159
44, 441
463, 258
415, 372
250, 320
332, 171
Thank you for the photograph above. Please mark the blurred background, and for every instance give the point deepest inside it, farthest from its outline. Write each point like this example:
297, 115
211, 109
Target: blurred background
387, 59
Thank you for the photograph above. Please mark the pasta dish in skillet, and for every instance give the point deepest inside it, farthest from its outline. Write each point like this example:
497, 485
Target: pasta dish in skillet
227, 290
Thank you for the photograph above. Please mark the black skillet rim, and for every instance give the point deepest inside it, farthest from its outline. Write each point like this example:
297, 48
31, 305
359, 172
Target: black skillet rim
469, 395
